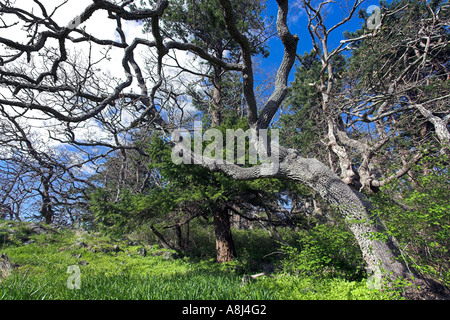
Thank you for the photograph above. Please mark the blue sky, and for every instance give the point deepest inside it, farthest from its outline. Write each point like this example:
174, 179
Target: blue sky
298, 22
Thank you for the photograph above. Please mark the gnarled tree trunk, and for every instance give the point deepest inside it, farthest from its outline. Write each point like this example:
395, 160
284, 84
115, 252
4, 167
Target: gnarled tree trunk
379, 255
224, 240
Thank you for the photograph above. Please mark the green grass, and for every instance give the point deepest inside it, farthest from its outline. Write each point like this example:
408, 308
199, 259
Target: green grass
125, 275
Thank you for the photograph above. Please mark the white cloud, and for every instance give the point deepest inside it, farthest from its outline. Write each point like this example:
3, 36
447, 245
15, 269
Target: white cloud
100, 26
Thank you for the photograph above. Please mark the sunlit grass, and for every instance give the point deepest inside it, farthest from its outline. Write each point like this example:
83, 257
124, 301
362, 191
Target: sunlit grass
126, 275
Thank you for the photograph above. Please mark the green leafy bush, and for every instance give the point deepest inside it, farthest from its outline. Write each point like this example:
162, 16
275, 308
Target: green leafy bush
291, 287
325, 250
417, 214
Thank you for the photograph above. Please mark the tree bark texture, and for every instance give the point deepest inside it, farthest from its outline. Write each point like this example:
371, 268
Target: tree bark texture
217, 107
224, 241
379, 255
46, 209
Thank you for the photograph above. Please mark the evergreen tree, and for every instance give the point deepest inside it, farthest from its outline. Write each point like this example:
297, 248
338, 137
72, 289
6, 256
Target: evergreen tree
203, 23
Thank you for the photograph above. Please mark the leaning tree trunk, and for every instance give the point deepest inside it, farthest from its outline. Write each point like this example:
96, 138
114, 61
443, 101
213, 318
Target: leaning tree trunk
381, 256
224, 240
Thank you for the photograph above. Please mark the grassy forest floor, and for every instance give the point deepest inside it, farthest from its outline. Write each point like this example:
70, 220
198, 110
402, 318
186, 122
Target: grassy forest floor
42, 267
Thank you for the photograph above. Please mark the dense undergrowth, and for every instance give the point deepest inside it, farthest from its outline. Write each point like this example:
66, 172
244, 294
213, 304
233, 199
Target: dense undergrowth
119, 269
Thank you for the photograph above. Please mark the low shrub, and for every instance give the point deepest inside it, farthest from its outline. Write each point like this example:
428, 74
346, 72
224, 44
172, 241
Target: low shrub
325, 250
